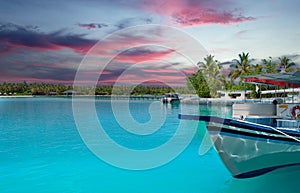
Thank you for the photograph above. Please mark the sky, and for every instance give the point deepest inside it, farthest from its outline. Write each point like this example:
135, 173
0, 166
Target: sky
136, 41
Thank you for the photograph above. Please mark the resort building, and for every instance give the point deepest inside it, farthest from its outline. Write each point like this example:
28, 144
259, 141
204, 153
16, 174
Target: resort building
70, 92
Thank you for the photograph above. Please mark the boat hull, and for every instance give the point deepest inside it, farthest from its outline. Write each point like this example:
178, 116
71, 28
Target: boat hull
246, 156
249, 149
170, 100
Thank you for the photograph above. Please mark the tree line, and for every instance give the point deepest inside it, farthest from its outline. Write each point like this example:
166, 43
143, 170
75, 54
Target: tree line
58, 89
208, 79
32, 89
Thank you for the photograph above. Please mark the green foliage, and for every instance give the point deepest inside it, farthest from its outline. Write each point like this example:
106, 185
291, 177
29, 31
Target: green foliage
58, 89
33, 88
242, 67
211, 73
270, 67
198, 82
226, 85
257, 69
208, 79
286, 64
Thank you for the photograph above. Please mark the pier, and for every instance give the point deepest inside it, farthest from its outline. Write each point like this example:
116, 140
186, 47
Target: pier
126, 97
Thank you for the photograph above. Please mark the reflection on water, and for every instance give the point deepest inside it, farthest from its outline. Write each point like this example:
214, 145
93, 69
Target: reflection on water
282, 180
221, 111
171, 105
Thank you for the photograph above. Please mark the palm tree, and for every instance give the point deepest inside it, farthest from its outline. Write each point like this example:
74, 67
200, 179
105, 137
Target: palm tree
257, 69
210, 67
286, 64
242, 67
270, 66
211, 72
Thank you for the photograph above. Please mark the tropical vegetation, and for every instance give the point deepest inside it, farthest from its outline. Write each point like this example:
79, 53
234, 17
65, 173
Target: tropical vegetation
210, 70
206, 82
59, 89
242, 67
209, 79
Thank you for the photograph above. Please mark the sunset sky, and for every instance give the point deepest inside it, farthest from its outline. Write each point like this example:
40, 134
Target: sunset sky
46, 41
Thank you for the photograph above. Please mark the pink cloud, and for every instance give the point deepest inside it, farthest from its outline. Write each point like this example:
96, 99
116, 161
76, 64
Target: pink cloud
133, 46
176, 72
189, 72
53, 66
194, 13
142, 55
125, 50
160, 70
48, 45
167, 76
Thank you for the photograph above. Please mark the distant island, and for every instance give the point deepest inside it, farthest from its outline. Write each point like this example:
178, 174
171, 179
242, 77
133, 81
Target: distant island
48, 89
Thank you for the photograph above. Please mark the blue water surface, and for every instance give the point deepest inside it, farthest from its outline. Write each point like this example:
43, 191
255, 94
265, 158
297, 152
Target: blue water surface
41, 151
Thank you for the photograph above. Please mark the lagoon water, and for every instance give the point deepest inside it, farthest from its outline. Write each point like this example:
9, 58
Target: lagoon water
41, 151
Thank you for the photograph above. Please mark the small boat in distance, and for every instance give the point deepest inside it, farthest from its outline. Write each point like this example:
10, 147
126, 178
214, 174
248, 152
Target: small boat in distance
171, 98
260, 137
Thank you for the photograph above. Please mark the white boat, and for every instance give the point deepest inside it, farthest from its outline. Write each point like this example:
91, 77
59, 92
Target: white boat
171, 98
259, 138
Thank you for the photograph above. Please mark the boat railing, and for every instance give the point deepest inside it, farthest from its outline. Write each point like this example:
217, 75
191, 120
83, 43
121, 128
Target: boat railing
279, 130
288, 124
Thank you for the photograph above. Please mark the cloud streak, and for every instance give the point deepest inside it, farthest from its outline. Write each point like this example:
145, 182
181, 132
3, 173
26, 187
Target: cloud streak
188, 13
137, 55
15, 36
92, 25
133, 22
243, 34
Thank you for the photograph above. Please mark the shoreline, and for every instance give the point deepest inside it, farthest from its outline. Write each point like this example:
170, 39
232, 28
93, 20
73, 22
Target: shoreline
16, 96
217, 101
184, 100
188, 99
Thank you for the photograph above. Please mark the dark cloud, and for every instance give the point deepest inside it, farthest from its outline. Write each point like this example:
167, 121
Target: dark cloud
44, 72
30, 65
146, 50
93, 25
15, 36
37, 72
142, 54
4, 49
124, 23
227, 63
109, 76
129, 22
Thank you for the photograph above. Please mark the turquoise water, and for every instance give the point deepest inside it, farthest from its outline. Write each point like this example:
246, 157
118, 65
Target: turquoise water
41, 151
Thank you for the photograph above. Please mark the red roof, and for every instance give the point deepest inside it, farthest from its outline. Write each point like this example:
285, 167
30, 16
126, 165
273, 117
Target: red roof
291, 79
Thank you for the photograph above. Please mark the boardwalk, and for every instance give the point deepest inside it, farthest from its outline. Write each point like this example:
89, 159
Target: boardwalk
120, 97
